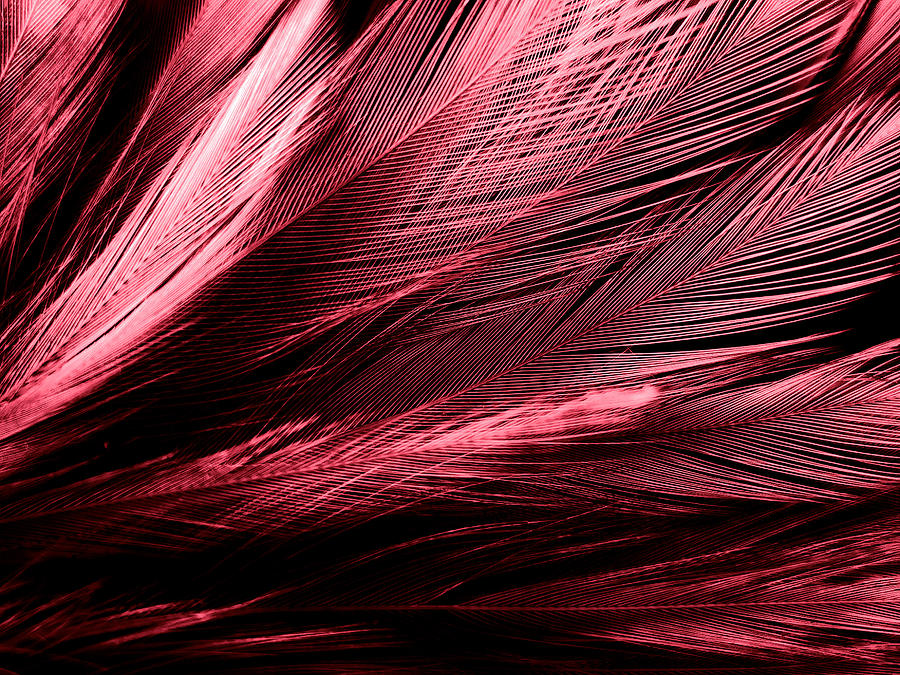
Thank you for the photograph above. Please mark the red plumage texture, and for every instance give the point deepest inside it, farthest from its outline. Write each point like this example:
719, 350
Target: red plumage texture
449, 336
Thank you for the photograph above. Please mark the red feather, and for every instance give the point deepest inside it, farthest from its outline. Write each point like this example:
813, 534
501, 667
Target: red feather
449, 336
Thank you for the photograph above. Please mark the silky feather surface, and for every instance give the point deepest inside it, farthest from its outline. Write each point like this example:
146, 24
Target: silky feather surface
526, 324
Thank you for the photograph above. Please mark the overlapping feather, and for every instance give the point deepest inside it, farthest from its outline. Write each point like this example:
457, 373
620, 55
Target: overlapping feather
513, 320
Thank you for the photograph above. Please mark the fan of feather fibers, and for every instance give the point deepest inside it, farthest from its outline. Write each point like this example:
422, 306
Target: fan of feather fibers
450, 336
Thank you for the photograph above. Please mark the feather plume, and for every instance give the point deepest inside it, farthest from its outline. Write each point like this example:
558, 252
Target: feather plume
449, 336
